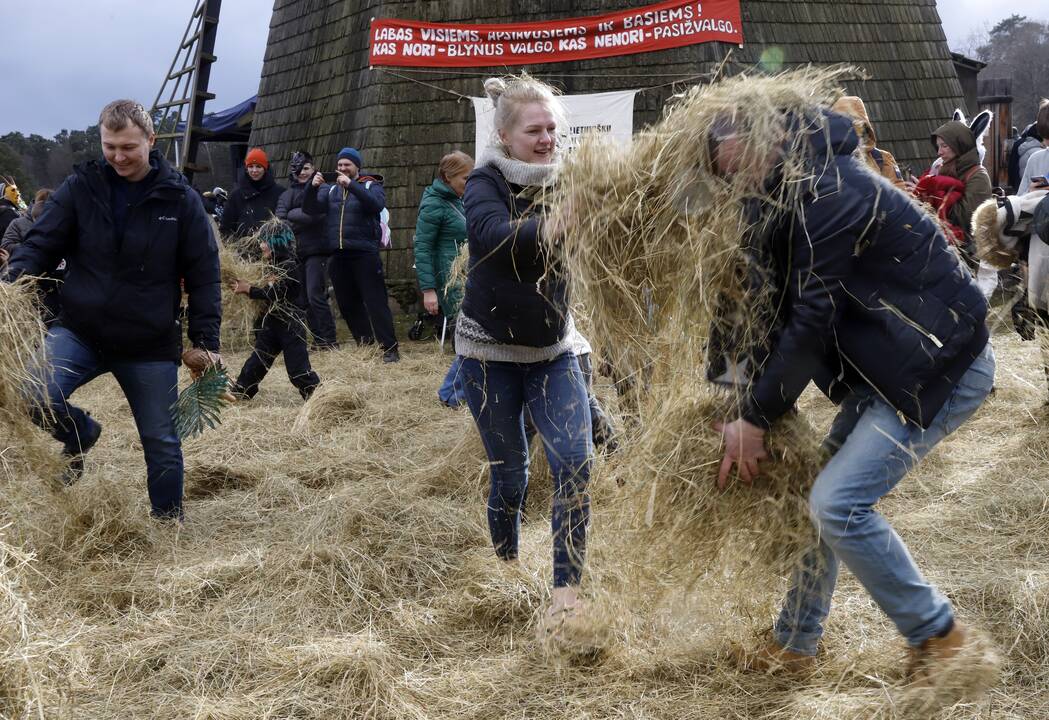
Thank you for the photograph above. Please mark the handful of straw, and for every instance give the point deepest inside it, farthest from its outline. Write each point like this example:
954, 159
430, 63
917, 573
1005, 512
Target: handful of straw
240, 259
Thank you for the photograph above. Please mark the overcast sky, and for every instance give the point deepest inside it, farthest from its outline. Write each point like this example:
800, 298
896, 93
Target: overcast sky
68, 58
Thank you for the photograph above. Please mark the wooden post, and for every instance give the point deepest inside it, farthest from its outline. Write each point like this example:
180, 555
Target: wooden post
995, 94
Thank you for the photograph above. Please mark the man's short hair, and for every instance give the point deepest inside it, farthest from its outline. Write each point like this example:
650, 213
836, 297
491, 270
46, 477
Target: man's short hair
118, 114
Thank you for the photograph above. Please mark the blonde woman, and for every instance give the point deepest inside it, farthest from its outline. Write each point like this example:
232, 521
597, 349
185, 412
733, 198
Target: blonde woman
516, 336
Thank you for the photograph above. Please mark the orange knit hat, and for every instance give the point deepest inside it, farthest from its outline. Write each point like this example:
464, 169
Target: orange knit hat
256, 156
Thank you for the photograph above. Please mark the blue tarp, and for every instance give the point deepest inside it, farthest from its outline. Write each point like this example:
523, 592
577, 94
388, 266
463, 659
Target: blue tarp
229, 125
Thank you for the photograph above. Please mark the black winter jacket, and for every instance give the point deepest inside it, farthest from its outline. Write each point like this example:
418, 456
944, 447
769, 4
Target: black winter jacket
873, 294
250, 204
123, 297
8, 214
279, 297
508, 289
353, 213
311, 231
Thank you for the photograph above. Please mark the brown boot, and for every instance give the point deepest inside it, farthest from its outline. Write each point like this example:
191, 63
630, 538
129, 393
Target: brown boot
933, 654
774, 659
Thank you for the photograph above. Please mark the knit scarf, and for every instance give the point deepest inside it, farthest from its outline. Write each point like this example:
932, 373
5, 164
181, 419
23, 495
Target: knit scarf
528, 175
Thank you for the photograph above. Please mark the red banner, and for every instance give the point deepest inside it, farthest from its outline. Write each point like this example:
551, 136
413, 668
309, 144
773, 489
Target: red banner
660, 26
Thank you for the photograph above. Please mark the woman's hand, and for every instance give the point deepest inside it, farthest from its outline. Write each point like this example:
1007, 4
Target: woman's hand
240, 287
557, 223
430, 301
318, 179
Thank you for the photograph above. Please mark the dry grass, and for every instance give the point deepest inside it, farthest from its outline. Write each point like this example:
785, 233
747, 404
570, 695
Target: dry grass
335, 561
342, 569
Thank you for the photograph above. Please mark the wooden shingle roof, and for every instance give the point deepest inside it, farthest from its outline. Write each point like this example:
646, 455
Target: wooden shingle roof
317, 92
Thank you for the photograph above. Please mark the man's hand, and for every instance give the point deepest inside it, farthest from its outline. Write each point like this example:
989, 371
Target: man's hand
197, 360
318, 180
344, 180
240, 286
430, 301
744, 447
4, 255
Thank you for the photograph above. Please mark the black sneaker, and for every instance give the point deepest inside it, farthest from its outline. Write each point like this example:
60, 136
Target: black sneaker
391, 356
75, 452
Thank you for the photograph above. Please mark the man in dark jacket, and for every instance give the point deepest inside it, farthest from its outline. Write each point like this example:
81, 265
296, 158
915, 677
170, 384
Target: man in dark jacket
353, 206
314, 252
880, 314
254, 200
130, 229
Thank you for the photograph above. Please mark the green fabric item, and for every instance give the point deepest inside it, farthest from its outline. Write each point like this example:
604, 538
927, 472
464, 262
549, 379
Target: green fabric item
439, 233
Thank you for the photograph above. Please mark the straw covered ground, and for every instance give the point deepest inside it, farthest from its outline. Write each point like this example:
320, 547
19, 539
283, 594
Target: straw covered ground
336, 564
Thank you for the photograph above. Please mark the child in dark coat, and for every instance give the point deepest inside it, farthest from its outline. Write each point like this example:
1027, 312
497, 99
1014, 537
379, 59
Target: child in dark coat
280, 325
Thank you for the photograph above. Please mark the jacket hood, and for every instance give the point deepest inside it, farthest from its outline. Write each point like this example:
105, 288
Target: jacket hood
957, 135
959, 138
440, 188
831, 134
853, 107
261, 185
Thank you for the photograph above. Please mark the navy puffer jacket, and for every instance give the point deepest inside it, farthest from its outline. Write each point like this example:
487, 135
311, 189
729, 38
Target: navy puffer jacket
353, 213
873, 293
122, 295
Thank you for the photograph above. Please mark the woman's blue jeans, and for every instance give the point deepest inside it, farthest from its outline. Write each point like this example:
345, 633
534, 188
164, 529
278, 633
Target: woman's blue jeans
555, 394
873, 450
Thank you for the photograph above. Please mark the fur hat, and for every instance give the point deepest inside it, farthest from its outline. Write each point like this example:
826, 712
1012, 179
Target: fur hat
999, 223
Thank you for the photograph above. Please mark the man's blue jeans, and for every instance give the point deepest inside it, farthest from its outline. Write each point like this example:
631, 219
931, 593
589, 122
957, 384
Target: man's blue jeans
556, 397
151, 387
874, 449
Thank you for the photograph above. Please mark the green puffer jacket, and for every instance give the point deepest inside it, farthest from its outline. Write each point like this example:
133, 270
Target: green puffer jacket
439, 233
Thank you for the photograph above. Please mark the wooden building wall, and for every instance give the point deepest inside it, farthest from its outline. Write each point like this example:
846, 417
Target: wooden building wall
318, 93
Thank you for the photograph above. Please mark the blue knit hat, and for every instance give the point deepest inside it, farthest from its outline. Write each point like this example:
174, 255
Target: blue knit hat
352, 155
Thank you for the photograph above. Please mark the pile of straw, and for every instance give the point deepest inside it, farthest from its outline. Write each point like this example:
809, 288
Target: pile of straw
21, 381
345, 570
662, 252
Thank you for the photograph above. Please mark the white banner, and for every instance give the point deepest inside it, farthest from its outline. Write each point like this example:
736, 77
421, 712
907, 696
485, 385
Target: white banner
610, 112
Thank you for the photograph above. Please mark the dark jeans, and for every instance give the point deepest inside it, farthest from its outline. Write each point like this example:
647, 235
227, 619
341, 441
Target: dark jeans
273, 336
360, 291
555, 394
313, 279
151, 388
